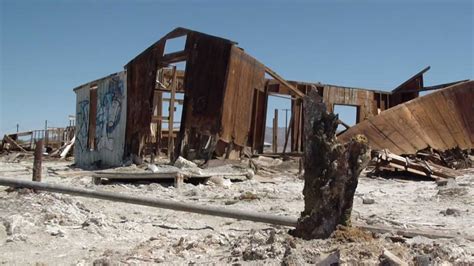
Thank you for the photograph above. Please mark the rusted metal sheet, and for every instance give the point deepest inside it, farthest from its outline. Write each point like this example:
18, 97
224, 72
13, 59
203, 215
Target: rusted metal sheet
244, 75
440, 120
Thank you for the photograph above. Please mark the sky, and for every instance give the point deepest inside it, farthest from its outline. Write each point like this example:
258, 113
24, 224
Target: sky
50, 47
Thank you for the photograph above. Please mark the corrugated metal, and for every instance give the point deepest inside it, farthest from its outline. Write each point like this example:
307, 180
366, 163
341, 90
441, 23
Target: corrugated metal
109, 135
440, 120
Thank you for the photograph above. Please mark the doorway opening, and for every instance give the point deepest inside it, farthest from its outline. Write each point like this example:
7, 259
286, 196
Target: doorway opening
348, 114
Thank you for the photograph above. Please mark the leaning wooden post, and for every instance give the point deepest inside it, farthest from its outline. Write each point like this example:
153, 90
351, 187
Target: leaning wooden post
331, 172
37, 161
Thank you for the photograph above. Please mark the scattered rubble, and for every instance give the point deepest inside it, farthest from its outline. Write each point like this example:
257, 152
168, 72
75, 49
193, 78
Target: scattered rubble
79, 230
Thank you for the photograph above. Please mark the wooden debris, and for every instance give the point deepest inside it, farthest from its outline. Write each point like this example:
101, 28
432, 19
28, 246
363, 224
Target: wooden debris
387, 160
331, 172
441, 120
13, 143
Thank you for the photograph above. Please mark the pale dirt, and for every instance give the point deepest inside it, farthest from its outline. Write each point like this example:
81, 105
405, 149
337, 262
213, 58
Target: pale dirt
52, 229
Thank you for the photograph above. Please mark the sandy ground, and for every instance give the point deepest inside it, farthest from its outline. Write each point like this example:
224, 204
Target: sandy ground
48, 228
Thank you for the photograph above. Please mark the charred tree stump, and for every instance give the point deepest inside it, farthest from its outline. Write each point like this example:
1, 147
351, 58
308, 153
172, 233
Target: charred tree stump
331, 172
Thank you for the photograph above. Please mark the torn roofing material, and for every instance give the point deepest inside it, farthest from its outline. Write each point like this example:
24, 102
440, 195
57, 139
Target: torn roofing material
440, 120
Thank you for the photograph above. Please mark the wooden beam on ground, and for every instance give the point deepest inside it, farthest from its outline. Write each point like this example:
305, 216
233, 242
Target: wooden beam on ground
284, 82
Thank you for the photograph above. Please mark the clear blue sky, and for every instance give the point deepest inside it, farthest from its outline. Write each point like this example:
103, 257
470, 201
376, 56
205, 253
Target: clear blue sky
50, 47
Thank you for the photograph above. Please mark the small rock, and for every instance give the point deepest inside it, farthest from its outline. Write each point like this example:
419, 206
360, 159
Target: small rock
451, 211
368, 201
55, 231
183, 163
220, 181
248, 196
153, 168
442, 182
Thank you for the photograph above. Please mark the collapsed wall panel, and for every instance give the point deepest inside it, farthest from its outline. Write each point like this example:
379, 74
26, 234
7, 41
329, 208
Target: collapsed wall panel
440, 120
141, 84
204, 81
104, 144
245, 76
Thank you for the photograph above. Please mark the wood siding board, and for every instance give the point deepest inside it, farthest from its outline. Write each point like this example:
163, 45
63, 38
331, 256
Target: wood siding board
206, 71
459, 131
441, 120
419, 139
231, 94
465, 106
389, 132
426, 125
141, 82
406, 137
430, 105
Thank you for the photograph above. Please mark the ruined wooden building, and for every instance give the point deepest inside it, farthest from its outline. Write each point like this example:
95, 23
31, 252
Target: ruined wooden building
223, 92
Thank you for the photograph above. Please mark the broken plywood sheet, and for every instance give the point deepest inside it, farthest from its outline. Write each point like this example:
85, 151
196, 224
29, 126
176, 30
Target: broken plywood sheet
440, 120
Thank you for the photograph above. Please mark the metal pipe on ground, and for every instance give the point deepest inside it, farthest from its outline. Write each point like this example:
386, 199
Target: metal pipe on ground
157, 203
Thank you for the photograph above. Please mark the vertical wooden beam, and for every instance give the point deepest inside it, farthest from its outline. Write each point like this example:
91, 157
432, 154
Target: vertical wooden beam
171, 115
37, 161
287, 133
255, 125
275, 132
300, 132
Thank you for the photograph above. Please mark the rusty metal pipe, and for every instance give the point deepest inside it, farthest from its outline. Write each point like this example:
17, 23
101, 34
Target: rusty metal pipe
157, 203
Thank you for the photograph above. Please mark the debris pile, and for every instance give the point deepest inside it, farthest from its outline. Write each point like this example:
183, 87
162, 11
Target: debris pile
427, 163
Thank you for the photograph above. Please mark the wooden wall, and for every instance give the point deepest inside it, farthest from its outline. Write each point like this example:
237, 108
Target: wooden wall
204, 82
141, 84
245, 76
362, 99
